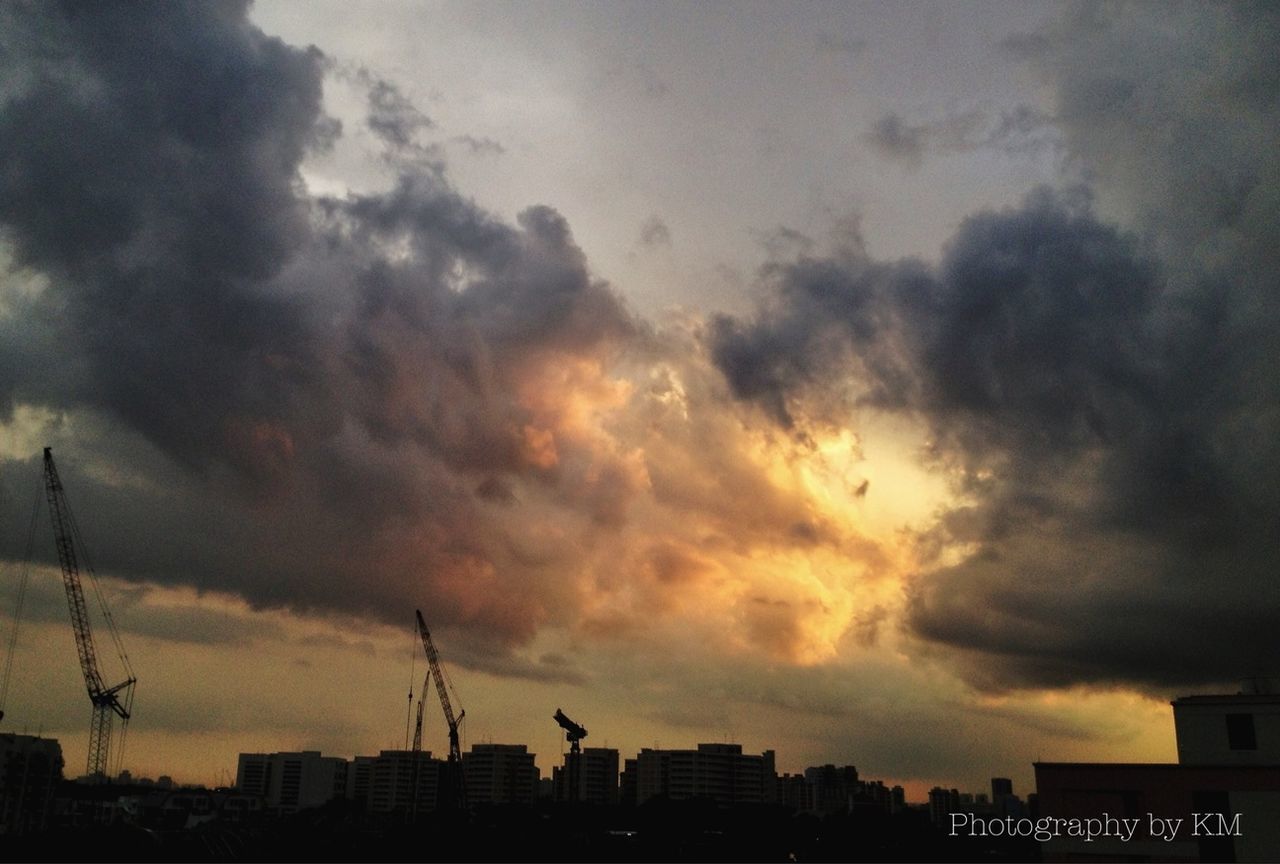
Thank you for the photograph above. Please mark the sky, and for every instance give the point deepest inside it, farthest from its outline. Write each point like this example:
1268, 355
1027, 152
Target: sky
883, 384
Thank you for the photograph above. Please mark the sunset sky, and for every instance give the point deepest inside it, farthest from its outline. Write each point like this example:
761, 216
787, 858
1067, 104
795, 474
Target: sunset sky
888, 384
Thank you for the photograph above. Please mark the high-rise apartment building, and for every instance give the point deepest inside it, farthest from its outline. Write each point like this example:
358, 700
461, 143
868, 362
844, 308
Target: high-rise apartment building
587, 777
721, 772
289, 782
500, 774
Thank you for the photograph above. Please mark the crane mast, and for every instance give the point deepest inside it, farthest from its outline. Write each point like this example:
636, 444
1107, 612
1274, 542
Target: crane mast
108, 702
453, 768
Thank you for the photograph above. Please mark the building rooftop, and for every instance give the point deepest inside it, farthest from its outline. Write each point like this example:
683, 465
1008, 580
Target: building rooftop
1229, 699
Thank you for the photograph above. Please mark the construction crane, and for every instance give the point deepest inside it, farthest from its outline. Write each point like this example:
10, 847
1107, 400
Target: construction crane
417, 748
454, 791
417, 725
108, 702
573, 733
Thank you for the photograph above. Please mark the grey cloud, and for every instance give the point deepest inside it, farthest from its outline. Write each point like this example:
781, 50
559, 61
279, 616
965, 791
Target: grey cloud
1023, 129
1104, 397
314, 389
480, 146
1120, 527
393, 117
654, 233
894, 137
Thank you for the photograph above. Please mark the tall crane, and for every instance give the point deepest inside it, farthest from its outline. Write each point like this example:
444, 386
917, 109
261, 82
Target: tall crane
417, 724
573, 733
454, 791
108, 702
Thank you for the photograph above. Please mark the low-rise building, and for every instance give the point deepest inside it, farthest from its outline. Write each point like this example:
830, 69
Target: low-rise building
1219, 802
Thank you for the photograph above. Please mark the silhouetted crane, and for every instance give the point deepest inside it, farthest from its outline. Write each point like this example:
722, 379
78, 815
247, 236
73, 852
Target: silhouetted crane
455, 793
573, 733
108, 702
417, 747
417, 724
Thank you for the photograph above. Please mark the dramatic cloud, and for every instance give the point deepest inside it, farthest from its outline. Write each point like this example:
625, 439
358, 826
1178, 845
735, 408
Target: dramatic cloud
370, 401
356, 366
299, 382
1104, 401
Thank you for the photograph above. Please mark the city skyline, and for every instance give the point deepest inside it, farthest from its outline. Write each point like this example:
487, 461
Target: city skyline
884, 384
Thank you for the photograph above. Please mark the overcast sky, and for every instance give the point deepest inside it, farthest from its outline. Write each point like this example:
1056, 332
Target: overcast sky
887, 384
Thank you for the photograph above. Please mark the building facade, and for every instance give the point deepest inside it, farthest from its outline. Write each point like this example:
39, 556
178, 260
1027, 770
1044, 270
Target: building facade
396, 781
1220, 802
587, 777
30, 771
289, 782
500, 774
1227, 730
720, 772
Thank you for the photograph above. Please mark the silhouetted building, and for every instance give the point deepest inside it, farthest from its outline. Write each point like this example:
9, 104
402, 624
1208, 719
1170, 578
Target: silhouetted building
289, 782
587, 777
396, 781
833, 789
795, 792
1003, 801
942, 803
721, 772
500, 774
628, 784
30, 771
1221, 802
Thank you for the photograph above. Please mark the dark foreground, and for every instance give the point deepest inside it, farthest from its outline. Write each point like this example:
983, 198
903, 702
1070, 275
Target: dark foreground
656, 831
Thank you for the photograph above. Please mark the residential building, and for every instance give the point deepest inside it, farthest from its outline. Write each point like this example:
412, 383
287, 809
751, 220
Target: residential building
500, 774
721, 772
587, 777
30, 771
1219, 802
289, 782
396, 781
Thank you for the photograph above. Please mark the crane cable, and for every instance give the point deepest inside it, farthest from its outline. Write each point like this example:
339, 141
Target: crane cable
21, 600
448, 683
413, 659
112, 629
97, 589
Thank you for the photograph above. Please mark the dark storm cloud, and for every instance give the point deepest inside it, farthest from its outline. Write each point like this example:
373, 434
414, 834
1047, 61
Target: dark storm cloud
359, 366
1106, 399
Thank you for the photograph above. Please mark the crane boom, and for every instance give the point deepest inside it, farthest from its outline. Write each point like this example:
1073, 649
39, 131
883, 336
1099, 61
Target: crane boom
454, 766
433, 659
573, 732
107, 701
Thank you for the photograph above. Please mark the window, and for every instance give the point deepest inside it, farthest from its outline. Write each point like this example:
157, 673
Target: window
1240, 732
